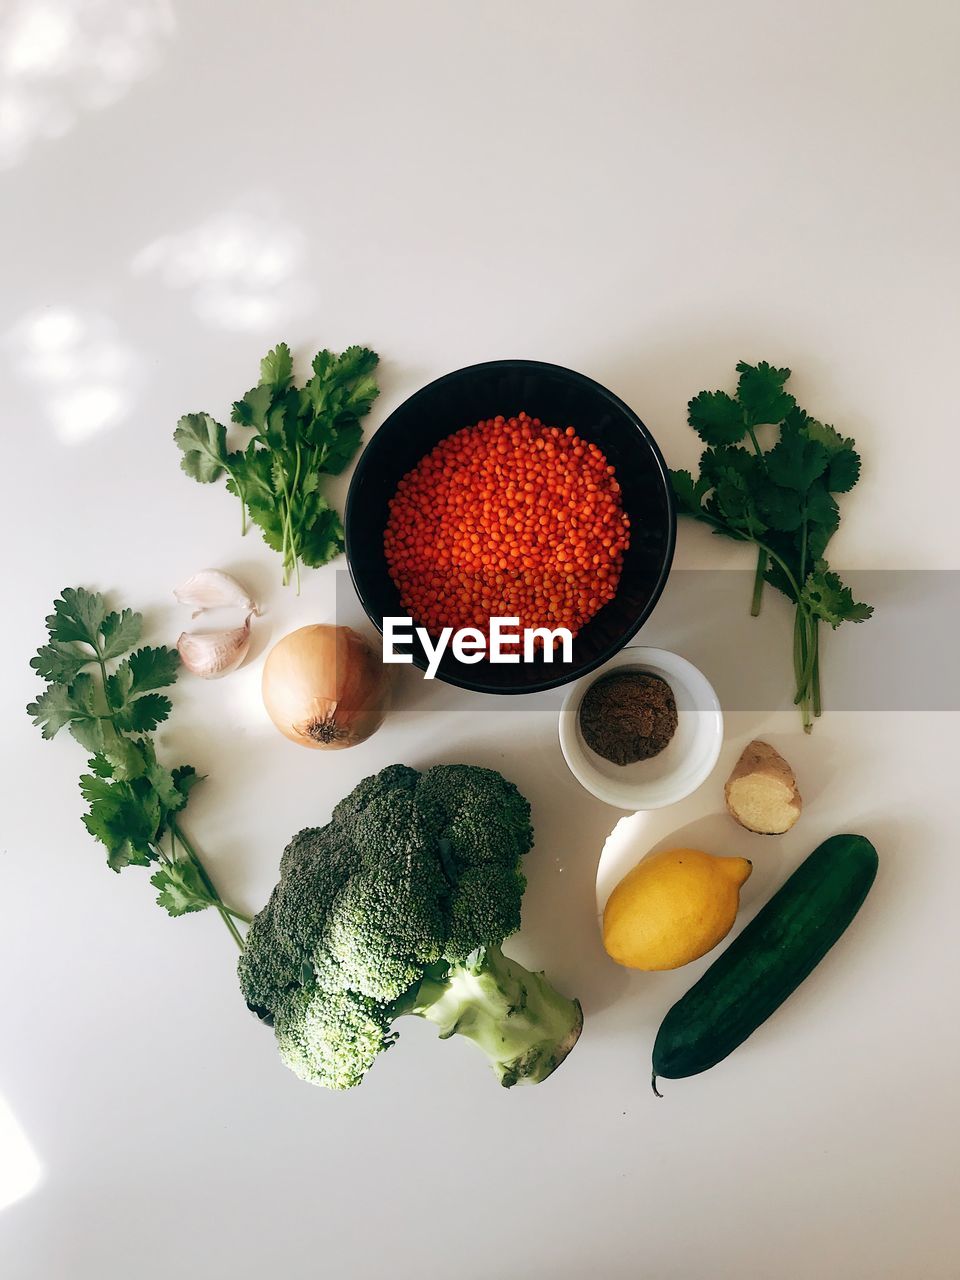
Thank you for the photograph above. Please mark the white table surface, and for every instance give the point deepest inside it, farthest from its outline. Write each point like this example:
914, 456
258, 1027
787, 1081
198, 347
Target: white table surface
646, 192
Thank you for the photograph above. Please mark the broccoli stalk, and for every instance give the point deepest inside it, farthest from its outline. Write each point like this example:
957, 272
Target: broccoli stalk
523, 1025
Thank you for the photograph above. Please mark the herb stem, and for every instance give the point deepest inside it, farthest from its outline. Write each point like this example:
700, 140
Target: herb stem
810, 653
101, 663
805, 656
296, 482
285, 544
759, 577
803, 549
291, 559
815, 678
240, 494
176, 833
745, 537
758, 582
286, 524
243, 505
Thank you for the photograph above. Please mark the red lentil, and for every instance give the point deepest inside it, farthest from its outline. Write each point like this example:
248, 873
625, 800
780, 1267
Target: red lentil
507, 518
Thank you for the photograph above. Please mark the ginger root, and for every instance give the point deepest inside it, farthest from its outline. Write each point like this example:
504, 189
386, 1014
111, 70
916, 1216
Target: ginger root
761, 792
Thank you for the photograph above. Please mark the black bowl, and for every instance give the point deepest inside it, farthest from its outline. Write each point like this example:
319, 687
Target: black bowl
561, 398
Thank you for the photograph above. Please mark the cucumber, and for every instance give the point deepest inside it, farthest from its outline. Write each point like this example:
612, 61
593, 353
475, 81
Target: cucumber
784, 942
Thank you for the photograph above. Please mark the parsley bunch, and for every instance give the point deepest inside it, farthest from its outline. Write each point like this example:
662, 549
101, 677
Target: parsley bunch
299, 434
782, 499
111, 707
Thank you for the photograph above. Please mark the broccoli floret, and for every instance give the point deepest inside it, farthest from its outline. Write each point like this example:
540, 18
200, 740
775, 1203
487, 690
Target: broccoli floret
484, 818
484, 910
389, 919
399, 906
329, 1037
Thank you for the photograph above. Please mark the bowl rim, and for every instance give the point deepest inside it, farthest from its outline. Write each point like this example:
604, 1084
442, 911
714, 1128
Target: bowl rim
681, 669
519, 364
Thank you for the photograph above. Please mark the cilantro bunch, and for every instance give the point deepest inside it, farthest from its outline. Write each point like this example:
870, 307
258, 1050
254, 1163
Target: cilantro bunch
782, 499
104, 691
299, 435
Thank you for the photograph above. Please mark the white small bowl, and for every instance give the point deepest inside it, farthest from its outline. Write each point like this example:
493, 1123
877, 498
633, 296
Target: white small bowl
687, 760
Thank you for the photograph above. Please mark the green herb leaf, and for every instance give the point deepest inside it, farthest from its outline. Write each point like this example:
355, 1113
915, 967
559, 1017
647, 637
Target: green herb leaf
181, 888
125, 755
252, 410
760, 392
801, 423
100, 766
796, 462
782, 509
322, 538
729, 460
276, 368
820, 507
142, 715
203, 443
89, 733
53, 710
734, 502
819, 535
185, 778
340, 447
688, 492
282, 428
134, 708
356, 364
84, 694
321, 364
827, 598
843, 471
778, 579
124, 822
77, 615
269, 520
355, 375
153, 667
716, 418
60, 663
120, 632
253, 468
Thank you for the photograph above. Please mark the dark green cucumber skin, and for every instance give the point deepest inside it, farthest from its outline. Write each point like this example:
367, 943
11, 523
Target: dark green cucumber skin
784, 942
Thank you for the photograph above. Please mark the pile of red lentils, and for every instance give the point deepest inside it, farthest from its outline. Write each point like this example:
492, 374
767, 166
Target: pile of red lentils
507, 518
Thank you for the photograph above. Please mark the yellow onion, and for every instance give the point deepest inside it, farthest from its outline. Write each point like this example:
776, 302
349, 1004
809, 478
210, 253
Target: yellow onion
324, 687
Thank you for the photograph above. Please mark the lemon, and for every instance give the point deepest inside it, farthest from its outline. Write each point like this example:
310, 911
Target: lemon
673, 907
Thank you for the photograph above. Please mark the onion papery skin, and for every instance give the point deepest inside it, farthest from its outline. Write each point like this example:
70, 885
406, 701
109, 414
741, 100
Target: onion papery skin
325, 687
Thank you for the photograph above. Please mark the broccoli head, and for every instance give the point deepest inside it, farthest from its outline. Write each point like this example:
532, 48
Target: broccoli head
399, 906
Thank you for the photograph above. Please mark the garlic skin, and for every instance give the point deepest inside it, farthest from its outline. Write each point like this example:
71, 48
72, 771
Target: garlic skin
214, 589
213, 654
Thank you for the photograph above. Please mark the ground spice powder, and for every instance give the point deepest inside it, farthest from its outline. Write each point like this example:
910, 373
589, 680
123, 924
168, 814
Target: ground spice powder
628, 716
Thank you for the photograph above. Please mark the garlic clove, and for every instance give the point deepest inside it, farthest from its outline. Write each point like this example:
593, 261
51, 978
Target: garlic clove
214, 589
211, 654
